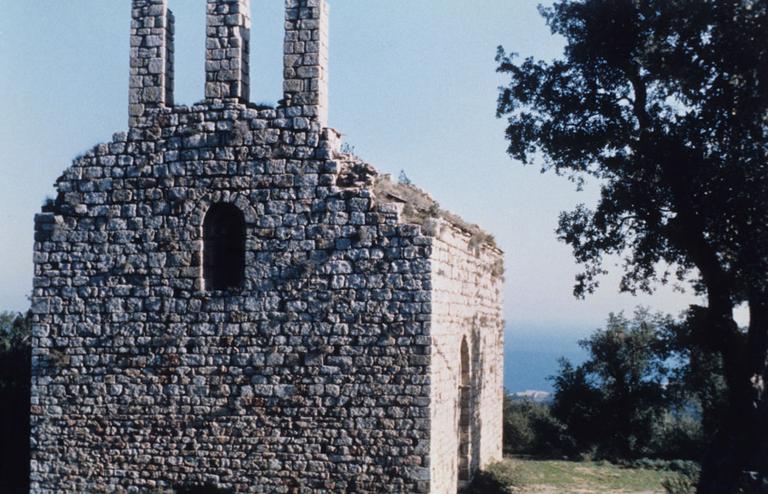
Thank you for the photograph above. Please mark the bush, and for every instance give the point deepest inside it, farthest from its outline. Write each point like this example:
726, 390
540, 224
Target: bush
679, 435
679, 484
530, 428
614, 398
485, 483
498, 478
684, 467
638, 394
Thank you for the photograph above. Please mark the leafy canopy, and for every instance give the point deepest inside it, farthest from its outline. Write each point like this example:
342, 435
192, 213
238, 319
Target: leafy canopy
616, 398
664, 102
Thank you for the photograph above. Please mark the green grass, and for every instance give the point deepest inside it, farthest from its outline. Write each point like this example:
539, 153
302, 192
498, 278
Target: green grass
556, 476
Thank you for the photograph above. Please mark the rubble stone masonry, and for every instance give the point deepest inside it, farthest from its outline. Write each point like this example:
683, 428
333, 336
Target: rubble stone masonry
332, 365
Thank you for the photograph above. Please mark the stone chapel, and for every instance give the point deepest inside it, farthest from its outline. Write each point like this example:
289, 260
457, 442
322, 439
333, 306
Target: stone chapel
224, 297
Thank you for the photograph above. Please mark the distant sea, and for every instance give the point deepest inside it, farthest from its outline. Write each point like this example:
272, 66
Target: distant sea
531, 355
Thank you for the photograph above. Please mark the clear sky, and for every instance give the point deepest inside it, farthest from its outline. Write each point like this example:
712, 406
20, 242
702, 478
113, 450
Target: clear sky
413, 87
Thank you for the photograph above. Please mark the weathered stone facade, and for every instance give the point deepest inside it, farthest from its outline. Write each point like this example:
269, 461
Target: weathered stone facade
360, 350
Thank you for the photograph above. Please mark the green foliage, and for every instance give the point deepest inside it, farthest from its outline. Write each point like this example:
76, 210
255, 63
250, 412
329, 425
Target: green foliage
347, 148
635, 396
684, 467
530, 428
497, 478
699, 380
15, 330
638, 393
660, 99
679, 434
664, 102
519, 434
613, 401
679, 484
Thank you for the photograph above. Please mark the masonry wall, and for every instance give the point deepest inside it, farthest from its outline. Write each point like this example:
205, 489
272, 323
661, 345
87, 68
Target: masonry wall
330, 368
466, 304
314, 376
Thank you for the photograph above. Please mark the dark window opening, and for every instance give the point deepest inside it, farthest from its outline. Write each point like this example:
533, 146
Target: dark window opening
465, 415
223, 247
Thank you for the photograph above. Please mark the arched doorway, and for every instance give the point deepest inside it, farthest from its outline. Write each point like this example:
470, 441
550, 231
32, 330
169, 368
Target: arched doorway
465, 415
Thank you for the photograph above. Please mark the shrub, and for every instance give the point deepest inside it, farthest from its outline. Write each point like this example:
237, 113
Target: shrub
519, 434
684, 467
630, 399
530, 428
679, 484
498, 478
679, 435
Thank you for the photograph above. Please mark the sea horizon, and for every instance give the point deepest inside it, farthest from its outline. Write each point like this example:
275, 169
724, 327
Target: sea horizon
531, 355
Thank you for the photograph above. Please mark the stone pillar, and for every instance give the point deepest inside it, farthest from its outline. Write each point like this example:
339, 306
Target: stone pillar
227, 49
305, 76
151, 84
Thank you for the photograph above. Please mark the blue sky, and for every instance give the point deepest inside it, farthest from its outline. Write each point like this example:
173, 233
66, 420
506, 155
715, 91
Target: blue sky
412, 86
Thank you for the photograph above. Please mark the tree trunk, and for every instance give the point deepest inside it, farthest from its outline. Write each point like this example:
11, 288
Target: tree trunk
741, 441
734, 451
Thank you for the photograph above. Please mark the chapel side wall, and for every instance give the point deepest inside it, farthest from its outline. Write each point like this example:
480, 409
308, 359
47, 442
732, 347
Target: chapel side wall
466, 302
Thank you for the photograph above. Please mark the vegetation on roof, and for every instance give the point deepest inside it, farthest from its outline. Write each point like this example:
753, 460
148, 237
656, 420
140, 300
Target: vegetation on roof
420, 208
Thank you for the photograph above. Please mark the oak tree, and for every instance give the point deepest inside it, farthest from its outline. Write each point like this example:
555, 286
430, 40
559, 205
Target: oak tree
665, 103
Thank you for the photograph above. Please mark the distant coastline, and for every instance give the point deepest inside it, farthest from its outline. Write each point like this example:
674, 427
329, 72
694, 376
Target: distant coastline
531, 355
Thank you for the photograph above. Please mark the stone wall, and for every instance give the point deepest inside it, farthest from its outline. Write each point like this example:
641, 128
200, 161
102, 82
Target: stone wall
305, 61
319, 371
227, 49
466, 305
151, 66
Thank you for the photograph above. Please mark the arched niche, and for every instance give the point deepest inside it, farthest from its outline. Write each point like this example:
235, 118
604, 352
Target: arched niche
223, 247
465, 415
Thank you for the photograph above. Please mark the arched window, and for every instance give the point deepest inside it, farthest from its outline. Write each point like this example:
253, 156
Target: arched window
223, 247
465, 415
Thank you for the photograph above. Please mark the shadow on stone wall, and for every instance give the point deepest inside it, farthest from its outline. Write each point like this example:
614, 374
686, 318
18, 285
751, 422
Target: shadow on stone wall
477, 379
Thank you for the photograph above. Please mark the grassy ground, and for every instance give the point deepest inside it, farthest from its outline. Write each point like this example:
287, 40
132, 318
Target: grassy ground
567, 477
